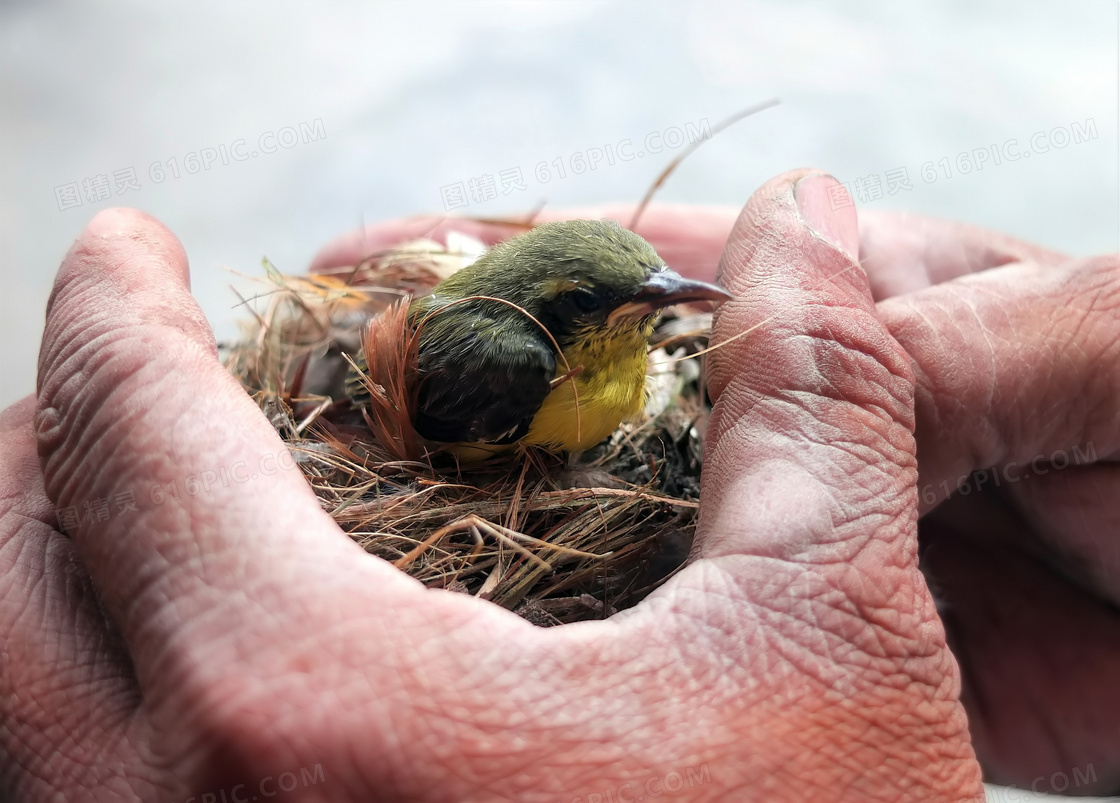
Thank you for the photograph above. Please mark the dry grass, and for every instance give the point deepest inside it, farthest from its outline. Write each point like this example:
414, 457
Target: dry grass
551, 539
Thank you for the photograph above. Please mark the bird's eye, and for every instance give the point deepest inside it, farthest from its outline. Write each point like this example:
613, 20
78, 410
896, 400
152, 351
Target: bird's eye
587, 300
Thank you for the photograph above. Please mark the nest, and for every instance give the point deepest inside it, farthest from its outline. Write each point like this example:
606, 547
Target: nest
555, 539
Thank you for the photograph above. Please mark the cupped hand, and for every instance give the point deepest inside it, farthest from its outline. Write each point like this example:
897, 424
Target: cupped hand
233, 637
1016, 352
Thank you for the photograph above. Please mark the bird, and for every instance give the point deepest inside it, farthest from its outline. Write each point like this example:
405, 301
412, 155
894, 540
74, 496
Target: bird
552, 319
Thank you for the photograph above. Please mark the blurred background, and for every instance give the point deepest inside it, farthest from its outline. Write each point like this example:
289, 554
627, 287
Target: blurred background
265, 129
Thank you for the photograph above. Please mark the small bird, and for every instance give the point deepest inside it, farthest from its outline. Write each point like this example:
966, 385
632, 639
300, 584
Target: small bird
490, 375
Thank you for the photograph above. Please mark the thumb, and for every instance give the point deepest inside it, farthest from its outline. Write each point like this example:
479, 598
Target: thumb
185, 505
811, 435
806, 548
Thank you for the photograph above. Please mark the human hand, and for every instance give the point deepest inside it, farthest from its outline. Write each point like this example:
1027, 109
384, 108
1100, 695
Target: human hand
246, 637
1015, 365
1018, 368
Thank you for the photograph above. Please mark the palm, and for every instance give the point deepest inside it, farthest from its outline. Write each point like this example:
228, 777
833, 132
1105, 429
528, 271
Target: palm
799, 655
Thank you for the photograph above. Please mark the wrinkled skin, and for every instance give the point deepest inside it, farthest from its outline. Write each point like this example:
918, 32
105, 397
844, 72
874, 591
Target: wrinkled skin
230, 636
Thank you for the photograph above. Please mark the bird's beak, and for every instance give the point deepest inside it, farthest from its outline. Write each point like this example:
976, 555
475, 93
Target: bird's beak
663, 289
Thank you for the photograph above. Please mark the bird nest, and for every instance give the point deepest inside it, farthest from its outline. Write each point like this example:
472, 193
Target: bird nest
555, 539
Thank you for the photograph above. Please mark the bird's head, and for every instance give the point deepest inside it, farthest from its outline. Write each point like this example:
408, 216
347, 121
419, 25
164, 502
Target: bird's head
580, 276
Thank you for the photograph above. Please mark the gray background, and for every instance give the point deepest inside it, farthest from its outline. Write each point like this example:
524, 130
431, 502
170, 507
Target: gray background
413, 97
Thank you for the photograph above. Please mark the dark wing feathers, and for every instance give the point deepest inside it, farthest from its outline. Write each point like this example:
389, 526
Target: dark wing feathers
482, 383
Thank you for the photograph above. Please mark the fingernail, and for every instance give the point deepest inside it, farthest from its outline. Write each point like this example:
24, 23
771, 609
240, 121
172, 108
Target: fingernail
828, 211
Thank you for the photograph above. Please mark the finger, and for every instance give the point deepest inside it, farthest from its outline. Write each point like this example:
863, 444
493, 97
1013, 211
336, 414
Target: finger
808, 521
817, 366
203, 518
903, 252
67, 692
1012, 363
689, 238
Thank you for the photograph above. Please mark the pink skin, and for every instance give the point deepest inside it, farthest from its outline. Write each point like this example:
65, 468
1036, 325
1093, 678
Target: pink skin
230, 636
